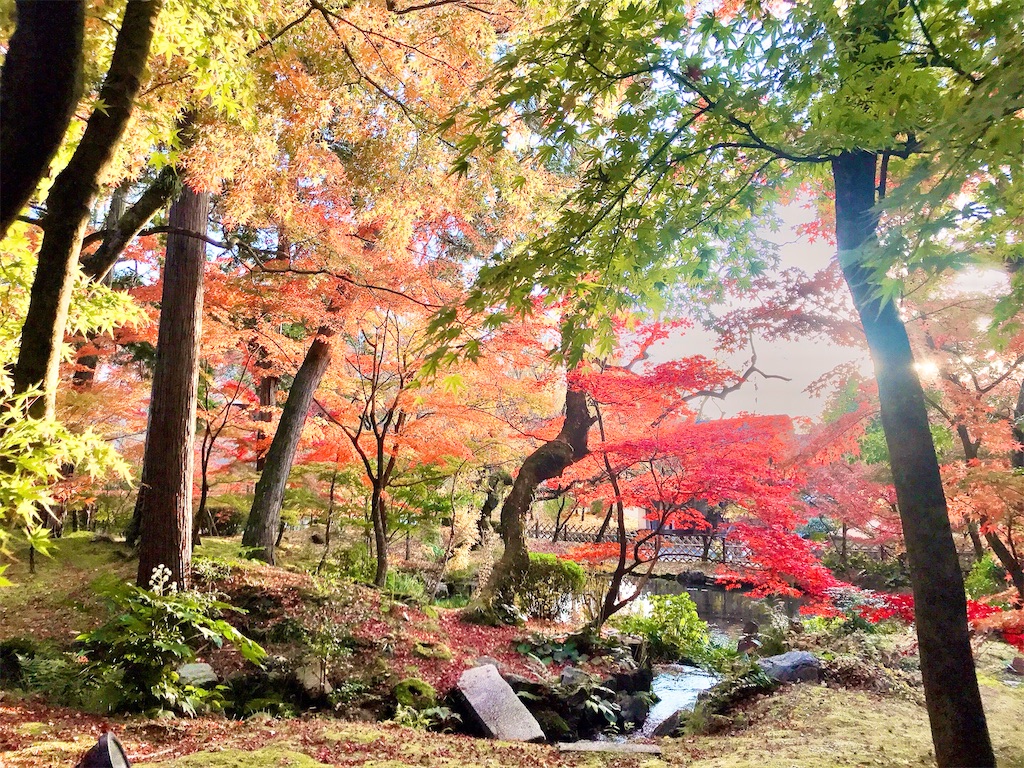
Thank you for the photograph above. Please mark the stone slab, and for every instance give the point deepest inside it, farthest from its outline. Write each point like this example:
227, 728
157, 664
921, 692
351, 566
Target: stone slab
618, 747
496, 706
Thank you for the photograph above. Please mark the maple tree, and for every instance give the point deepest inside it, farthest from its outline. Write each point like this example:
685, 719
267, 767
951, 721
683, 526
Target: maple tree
656, 453
695, 112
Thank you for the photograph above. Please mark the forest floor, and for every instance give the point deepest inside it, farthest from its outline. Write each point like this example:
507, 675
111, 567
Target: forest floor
803, 725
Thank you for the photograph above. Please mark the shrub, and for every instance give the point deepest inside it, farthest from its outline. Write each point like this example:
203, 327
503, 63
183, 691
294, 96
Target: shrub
550, 586
401, 585
153, 632
985, 578
672, 629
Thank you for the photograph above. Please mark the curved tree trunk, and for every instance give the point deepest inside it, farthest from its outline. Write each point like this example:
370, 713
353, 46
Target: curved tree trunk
164, 506
548, 461
380, 536
265, 515
68, 204
119, 231
959, 729
39, 89
496, 479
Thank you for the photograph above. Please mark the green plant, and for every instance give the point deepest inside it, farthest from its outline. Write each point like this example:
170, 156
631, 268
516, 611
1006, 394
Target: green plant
711, 712
437, 718
550, 586
672, 629
986, 578
151, 633
547, 650
402, 585
599, 703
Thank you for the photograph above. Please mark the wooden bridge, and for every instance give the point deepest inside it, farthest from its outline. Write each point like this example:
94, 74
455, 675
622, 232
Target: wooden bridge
675, 547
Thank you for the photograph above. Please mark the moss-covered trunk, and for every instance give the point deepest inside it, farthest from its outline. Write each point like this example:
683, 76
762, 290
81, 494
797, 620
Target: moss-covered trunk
39, 89
548, 461
68, 206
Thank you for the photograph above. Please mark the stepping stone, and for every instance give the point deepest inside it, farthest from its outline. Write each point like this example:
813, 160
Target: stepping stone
496, 707
617, 747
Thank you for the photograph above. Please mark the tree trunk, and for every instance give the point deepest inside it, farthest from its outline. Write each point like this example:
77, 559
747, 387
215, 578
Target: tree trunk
1017, 455
261, 528
119, 231
69, 203
86, 365
496, 480
164, 506
267, 392
548, 461
39, 90
959, 731
380, 536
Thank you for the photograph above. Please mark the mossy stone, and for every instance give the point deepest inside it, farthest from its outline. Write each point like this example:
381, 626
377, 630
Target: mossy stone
415, 693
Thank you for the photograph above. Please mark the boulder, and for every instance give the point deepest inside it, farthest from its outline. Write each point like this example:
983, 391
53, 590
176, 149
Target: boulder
632, 681
692, 578
792, 667
633, 708
492, 703
313, 681
1016, 667
670, 724
572, 677
197, 674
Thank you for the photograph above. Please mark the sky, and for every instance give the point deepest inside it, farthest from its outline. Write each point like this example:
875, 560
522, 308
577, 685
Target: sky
801, 361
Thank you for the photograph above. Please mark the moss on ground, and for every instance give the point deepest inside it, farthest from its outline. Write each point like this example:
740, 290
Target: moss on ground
57, 601
268, 757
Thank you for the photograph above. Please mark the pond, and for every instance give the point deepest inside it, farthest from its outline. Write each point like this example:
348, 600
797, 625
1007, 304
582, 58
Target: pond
725, 610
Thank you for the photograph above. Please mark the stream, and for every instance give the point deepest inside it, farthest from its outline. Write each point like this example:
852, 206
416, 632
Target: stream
726, 612
677, 687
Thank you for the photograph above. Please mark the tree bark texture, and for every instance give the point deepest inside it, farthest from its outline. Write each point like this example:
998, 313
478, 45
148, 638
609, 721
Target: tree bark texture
164, 506
548, 461
69, 202
267, 392
39, 89
265, 515
959, 730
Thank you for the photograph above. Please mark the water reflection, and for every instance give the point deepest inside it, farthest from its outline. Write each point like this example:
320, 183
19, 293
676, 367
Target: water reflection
725, 610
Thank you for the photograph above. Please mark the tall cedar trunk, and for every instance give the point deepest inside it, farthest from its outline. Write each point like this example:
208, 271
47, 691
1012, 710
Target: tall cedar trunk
548, 461
164, 506
261, 528
39, 89
267, 392
68, 205
959, 730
